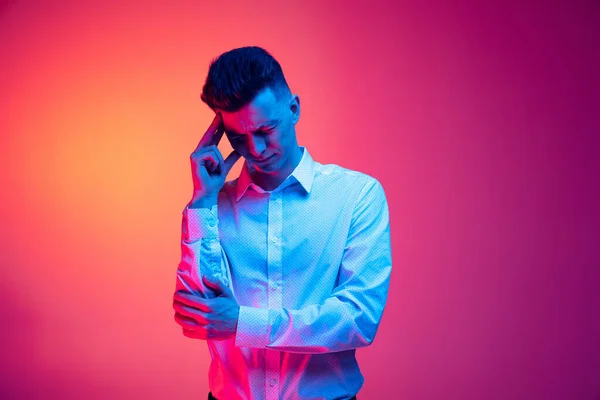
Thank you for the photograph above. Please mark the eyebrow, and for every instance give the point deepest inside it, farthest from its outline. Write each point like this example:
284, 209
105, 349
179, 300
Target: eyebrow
264, 125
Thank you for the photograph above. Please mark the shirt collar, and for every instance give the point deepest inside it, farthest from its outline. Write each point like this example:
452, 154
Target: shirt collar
303, 174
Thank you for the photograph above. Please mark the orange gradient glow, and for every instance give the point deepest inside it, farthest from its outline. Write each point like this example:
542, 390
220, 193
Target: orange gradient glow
481, 123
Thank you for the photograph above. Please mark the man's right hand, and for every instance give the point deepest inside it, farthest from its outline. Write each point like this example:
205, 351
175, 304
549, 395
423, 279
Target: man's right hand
209, 170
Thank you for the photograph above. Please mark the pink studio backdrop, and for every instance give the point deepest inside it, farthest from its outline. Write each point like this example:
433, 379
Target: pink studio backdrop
481, 122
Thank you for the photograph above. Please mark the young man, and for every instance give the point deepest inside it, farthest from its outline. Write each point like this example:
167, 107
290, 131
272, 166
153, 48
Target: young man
284, 270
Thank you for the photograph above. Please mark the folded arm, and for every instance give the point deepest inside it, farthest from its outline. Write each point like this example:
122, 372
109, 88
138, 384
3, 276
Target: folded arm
350, 316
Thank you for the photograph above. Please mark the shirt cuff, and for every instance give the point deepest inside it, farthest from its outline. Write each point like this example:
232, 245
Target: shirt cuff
200, 223
252, 327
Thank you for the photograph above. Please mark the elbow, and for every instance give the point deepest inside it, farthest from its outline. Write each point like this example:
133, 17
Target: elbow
362, 337
365, 331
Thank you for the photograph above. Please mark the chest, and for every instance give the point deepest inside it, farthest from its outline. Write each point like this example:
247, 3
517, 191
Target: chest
295, 242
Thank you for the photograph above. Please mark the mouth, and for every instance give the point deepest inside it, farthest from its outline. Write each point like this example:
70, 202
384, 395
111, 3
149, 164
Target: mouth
264, 160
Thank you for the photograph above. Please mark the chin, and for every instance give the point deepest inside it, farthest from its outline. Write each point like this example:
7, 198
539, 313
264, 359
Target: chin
266, 168
270, 167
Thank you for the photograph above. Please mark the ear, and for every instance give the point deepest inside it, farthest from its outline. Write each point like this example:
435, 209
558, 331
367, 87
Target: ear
295, 108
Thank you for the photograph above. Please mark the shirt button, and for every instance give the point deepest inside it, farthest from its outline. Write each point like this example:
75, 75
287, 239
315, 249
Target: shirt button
272, 382
273, 240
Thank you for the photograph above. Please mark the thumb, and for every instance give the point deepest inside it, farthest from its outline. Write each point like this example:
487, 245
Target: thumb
230, 161
218, 286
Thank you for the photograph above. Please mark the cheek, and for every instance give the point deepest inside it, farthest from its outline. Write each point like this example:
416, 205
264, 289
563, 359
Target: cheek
281, 138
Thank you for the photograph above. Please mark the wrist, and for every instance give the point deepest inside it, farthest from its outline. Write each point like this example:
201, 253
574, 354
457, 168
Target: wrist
203, 202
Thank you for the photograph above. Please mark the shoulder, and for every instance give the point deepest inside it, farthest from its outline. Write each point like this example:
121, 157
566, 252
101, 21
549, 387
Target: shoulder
350, 177
363, 191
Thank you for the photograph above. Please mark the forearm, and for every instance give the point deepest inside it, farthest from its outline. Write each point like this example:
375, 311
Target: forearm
346, 320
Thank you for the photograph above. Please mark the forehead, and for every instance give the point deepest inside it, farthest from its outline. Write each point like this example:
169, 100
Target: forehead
260, 111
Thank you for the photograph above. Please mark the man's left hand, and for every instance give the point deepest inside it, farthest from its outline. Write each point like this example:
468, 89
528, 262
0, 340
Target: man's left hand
201, 318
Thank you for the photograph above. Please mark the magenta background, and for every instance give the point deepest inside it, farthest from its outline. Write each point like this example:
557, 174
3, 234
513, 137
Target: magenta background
481, 122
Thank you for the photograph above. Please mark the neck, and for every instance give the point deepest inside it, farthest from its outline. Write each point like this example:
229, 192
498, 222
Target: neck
271, 180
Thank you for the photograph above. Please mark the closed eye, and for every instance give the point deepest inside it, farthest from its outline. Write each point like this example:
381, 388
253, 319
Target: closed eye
260, 132
235, 138
266, 131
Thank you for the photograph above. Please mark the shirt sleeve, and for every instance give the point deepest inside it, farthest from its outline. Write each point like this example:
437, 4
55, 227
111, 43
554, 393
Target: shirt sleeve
201, 252
350, 316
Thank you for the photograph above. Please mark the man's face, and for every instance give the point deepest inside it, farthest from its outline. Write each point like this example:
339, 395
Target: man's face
263, 131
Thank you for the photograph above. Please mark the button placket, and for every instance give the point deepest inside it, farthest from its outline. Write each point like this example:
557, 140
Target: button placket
274, 295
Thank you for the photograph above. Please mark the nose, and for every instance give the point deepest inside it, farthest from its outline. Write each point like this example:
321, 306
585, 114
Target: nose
256, 146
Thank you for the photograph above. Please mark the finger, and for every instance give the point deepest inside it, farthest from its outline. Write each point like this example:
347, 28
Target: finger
197, 333
211, 283
218, 286
210, 157
203, 170
210, 161
218, 134
194, 314
230, 161
213, 134
206, 161
185, 322
219, 159
215, 284
184, 310
191, 300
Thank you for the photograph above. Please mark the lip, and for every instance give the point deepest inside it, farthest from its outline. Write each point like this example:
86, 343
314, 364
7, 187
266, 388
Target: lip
261, 161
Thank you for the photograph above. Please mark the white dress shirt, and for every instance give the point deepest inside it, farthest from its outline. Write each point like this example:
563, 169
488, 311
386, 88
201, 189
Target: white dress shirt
309, 263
